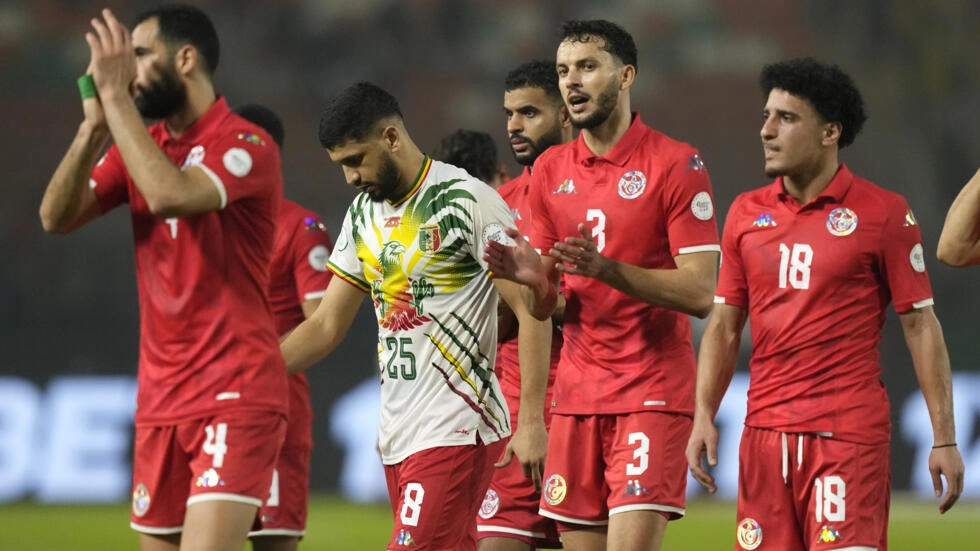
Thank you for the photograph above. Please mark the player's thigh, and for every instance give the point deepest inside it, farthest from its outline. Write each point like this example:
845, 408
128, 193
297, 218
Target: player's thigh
636, 530
284, 512
435, 495
846, 492
510, 512
160, 480
766, 518
217, 525
574, 491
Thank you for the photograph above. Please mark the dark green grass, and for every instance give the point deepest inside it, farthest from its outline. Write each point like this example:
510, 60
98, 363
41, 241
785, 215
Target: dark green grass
336, 525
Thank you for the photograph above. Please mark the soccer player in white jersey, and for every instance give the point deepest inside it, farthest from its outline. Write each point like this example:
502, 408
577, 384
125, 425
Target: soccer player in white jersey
414, 239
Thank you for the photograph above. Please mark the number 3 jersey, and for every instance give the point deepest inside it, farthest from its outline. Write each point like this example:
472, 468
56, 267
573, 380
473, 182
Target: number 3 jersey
816, 280
420, 258
646, 201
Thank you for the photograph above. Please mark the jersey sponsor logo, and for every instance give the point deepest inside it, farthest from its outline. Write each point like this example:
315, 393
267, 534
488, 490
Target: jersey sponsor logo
702, 207
555, 489
917, 258
209, 479
313, 224
495, 232
842, 221
429, 238
749, 534
828, 534
237, 162
141, 499
567, 186
393, 221
632, 184
694, 163
195, 157
491, 504
764, 221
910, 219
318, 258
251, 138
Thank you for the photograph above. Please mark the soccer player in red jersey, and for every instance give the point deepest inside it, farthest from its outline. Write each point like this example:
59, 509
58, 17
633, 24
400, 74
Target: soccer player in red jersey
959, 243
536, 120
813, 260
625, 214
299, 277
203, 188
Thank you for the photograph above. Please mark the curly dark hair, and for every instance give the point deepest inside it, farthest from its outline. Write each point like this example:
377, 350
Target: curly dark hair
827, 88
353, 113
537, 73
475, 152
616, 40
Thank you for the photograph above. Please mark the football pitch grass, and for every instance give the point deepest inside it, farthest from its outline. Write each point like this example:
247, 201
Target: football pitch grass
336, 525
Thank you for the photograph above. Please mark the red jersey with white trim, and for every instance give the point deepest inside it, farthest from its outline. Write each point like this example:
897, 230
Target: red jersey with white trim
299, 273
515, 194
207, 339
648, 200
816, 280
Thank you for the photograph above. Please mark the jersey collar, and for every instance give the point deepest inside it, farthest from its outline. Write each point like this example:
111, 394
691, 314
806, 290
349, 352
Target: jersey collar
620, 154
204, 124
834, 192
419, 178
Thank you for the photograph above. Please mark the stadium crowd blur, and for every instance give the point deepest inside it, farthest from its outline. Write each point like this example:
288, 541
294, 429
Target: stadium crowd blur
915, 60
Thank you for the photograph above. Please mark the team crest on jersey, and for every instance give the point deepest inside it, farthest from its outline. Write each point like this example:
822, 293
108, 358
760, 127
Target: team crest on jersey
567, 186
195, 157
634, 488
429, 238
694, 163
764, 221
828, 535
632, 184
141, 499
910, 219
554, 490
209, 479
491, 504
251, 138
842, 221
749, 534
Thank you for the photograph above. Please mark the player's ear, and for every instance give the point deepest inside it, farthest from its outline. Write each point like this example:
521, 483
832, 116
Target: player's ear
831, 133
391, 137
185, 59
627, 76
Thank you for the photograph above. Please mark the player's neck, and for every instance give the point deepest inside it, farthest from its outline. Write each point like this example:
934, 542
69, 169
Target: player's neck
603, 138
200, 98
807, 184
409, 162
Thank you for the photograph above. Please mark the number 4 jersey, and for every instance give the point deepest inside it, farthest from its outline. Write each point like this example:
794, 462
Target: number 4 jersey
420, 258
816, 280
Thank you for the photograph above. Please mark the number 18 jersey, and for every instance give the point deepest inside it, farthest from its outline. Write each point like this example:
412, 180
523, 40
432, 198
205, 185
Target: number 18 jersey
420, 258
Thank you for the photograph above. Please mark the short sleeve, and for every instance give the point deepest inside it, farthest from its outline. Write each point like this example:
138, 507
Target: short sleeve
689, 207
490, 217
343, 260
903, 258
542, 235
241, 164
311, 251
109, 180
732, 287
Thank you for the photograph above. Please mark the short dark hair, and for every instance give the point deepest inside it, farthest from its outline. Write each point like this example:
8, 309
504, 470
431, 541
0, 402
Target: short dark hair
616, 40
265, 118
181, 24
354, 112
475, 152
538, 73
827, 88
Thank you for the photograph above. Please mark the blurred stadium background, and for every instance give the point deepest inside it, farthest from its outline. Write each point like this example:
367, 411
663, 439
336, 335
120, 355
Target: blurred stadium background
68, 330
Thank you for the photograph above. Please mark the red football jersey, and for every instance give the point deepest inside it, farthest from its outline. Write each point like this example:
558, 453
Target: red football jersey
207, 339
508, 370
816, 280
299, 273
647, 201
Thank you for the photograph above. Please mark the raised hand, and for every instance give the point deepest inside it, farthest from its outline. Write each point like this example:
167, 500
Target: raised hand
113, 61
580, 255
519, 263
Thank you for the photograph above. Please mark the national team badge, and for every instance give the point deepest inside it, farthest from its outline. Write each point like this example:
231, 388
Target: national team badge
694, 163
749, 534
141, 500
828, 535
567, 186
491, 504
764, 221
910, 218
554, 489
632, 184
842, 221
429, 238
195, 157
917, 258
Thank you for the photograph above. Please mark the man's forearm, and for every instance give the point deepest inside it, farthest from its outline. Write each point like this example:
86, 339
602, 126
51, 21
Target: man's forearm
62, 200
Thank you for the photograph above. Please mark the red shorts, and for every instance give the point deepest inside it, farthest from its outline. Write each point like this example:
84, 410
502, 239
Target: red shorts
284, 513
510, 509
435, 494
229, 456
601, 465
835, 494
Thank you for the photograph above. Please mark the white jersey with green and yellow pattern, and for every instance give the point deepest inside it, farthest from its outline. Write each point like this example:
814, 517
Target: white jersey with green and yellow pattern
420, 258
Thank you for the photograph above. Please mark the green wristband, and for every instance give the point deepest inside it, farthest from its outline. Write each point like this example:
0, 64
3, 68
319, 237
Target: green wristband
86, 87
